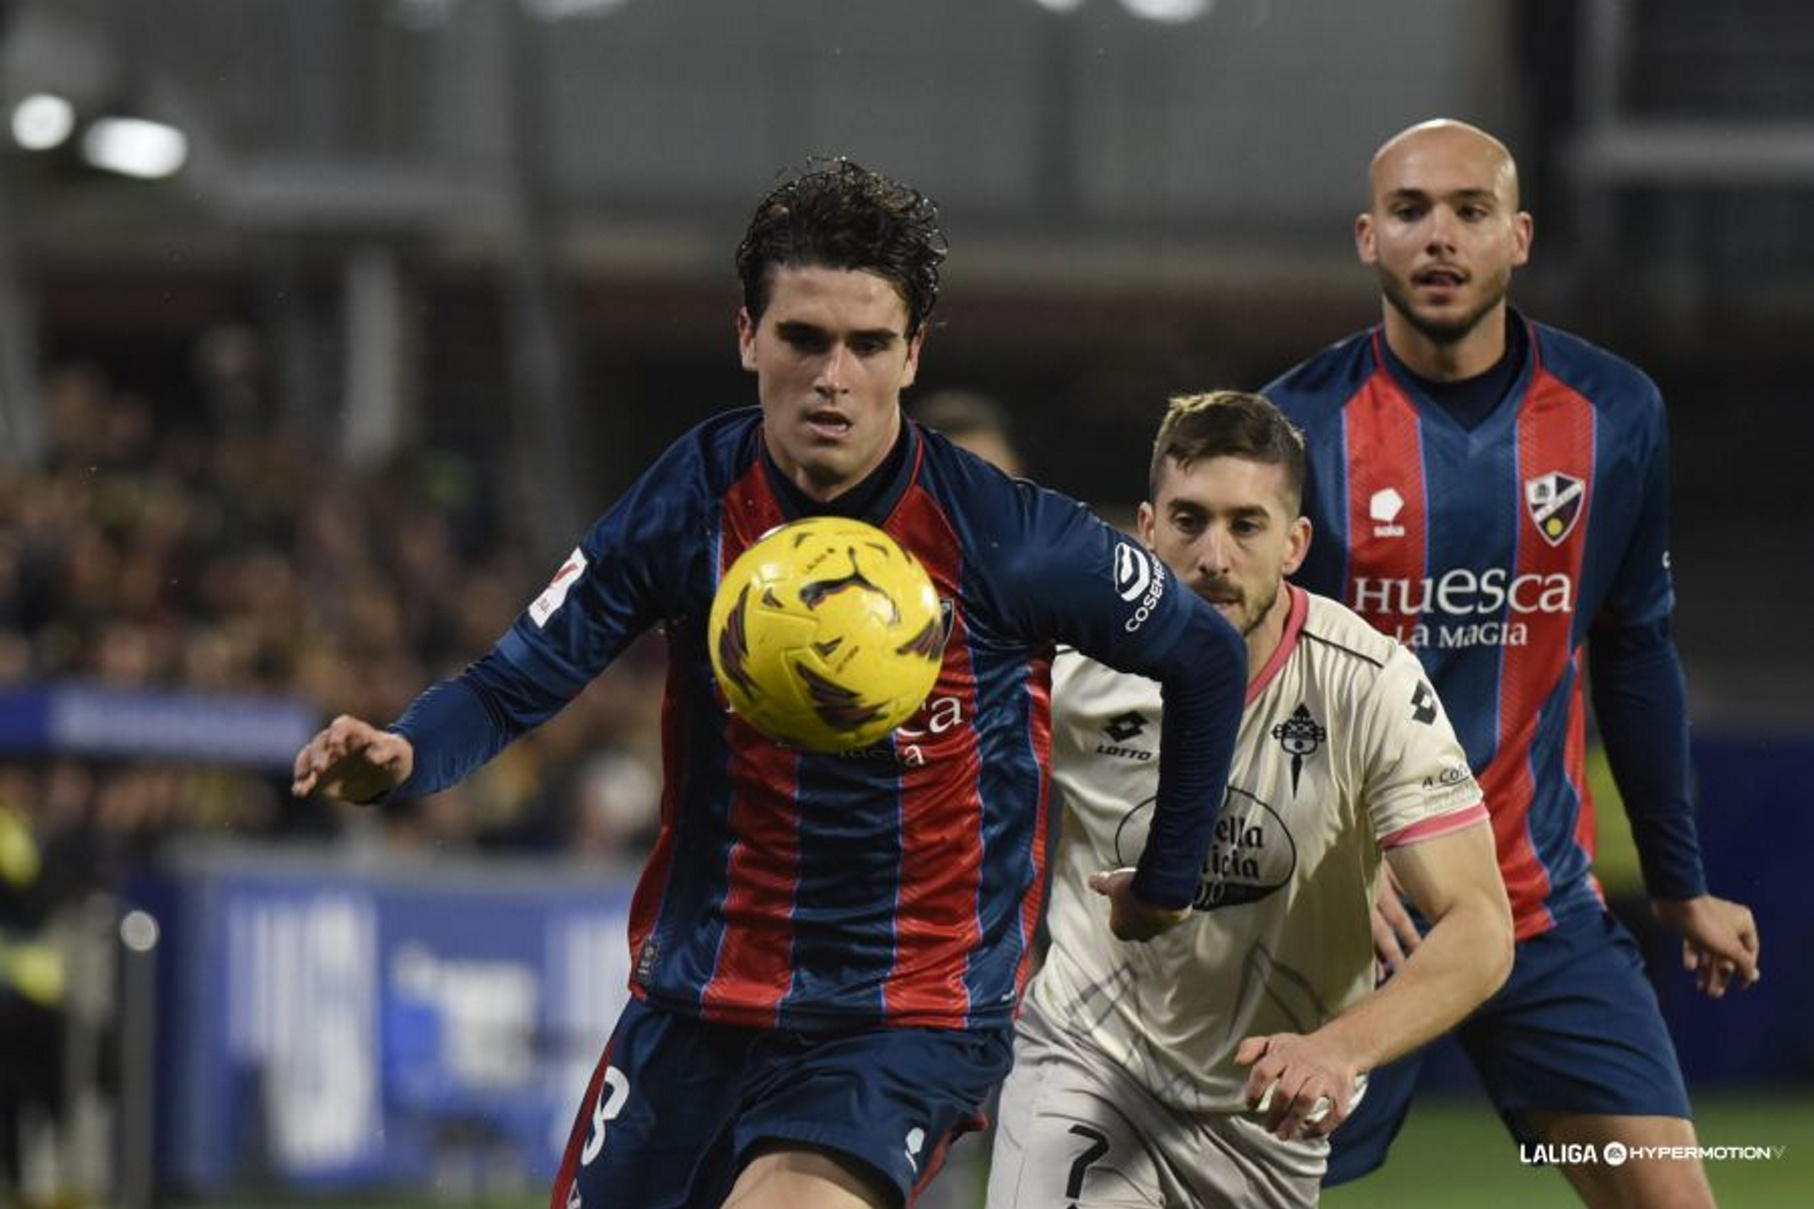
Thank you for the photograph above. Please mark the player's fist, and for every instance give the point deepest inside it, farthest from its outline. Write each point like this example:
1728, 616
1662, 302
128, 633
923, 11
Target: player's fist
1130, 916
1298, 1086
1720, 944
351, 760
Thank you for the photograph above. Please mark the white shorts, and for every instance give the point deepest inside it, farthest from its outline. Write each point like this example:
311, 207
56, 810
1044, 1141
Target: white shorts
1076, 1130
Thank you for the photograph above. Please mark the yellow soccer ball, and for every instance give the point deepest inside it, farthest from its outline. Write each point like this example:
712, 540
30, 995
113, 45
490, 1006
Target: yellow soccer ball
826, 634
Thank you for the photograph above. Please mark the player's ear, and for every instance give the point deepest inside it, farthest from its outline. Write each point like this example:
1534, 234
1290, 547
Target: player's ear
746, 338
1365, 245
1297, 545
1146, 524
914, 343
1524, 230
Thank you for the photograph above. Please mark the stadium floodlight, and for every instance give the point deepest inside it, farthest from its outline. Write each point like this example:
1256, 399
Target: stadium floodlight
136, 147
560, 10
1171, 12
43, 121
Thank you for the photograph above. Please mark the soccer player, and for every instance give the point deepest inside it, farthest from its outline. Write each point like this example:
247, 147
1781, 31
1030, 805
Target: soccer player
1207, 1067
828, 949
1494, 495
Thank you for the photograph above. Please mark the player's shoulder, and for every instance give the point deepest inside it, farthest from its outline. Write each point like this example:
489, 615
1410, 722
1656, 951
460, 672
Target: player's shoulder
1606, 379
1323, 383
720, 448
1014, 521
958, 477
1342, 640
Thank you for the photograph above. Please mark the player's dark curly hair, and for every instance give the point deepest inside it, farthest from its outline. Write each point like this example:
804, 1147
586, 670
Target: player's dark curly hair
840, 215
1228, 423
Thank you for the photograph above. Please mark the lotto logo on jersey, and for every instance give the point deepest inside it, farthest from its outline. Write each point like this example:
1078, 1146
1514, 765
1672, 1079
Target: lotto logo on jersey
1554, 503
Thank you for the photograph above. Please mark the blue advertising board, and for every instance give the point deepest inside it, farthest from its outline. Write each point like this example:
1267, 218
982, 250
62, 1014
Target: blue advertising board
328, 1024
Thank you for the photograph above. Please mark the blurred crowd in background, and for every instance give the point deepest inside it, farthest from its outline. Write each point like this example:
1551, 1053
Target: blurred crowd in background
218, 557
157, 557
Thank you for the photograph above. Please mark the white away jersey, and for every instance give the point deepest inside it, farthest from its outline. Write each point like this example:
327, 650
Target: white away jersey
1344, 749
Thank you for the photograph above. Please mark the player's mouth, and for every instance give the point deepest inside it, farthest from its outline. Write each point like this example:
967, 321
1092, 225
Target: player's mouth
1223, 596
829, 425
1439, 279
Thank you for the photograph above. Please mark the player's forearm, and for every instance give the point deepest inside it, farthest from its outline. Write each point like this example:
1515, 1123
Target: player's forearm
455, 726
1464, 959
1640, 700
1203, 687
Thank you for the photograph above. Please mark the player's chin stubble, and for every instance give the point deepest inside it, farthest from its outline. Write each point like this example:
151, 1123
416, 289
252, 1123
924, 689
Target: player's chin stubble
1438, 331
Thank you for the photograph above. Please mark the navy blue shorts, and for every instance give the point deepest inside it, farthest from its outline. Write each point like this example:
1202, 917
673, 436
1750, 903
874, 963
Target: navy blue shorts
677, 1106
1576, 1028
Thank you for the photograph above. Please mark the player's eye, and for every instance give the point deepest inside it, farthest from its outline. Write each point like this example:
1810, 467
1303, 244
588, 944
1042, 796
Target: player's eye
805, 339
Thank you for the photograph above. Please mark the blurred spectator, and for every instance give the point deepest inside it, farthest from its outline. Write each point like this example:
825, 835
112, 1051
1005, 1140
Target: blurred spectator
212, 555
617, 804
974, 421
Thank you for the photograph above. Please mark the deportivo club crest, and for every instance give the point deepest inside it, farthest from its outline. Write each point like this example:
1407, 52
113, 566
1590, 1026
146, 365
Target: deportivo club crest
1554, 501
1300, 736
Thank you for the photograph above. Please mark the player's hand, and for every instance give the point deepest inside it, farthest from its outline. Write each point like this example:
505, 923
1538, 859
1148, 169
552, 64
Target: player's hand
1300, 1086
352, 761
1130, 916
1719, 941
1395, 937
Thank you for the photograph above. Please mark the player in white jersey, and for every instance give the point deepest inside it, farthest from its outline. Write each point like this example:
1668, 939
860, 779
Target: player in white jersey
1208, 1067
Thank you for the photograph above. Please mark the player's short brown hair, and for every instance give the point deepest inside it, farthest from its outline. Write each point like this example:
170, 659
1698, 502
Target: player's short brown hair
1233, 424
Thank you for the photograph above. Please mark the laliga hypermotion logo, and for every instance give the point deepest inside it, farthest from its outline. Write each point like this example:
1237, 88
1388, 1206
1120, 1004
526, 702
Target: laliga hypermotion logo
1554, 502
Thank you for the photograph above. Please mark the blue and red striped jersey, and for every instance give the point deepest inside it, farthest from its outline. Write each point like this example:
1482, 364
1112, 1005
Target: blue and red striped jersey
1491, 552
900, 884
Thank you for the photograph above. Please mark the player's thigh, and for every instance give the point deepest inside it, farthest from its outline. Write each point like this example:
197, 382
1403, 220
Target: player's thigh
1060, 1140
655, 1126
1576, 1030
787, 1177
883, 1104
1637, 1161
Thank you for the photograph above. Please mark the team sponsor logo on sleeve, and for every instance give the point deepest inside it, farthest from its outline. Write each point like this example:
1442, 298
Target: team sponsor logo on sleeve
1138, 580
1554, 502
555, 594
1133, 571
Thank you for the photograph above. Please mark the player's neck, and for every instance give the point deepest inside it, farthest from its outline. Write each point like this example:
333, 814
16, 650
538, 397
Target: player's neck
1448, 360
1263, 640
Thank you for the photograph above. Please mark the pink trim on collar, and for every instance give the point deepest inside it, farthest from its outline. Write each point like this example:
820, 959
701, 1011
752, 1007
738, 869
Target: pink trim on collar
1294, 625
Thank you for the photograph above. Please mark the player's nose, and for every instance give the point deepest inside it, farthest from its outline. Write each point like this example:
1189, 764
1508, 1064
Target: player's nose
834, 369
1440, 228
1212, 552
